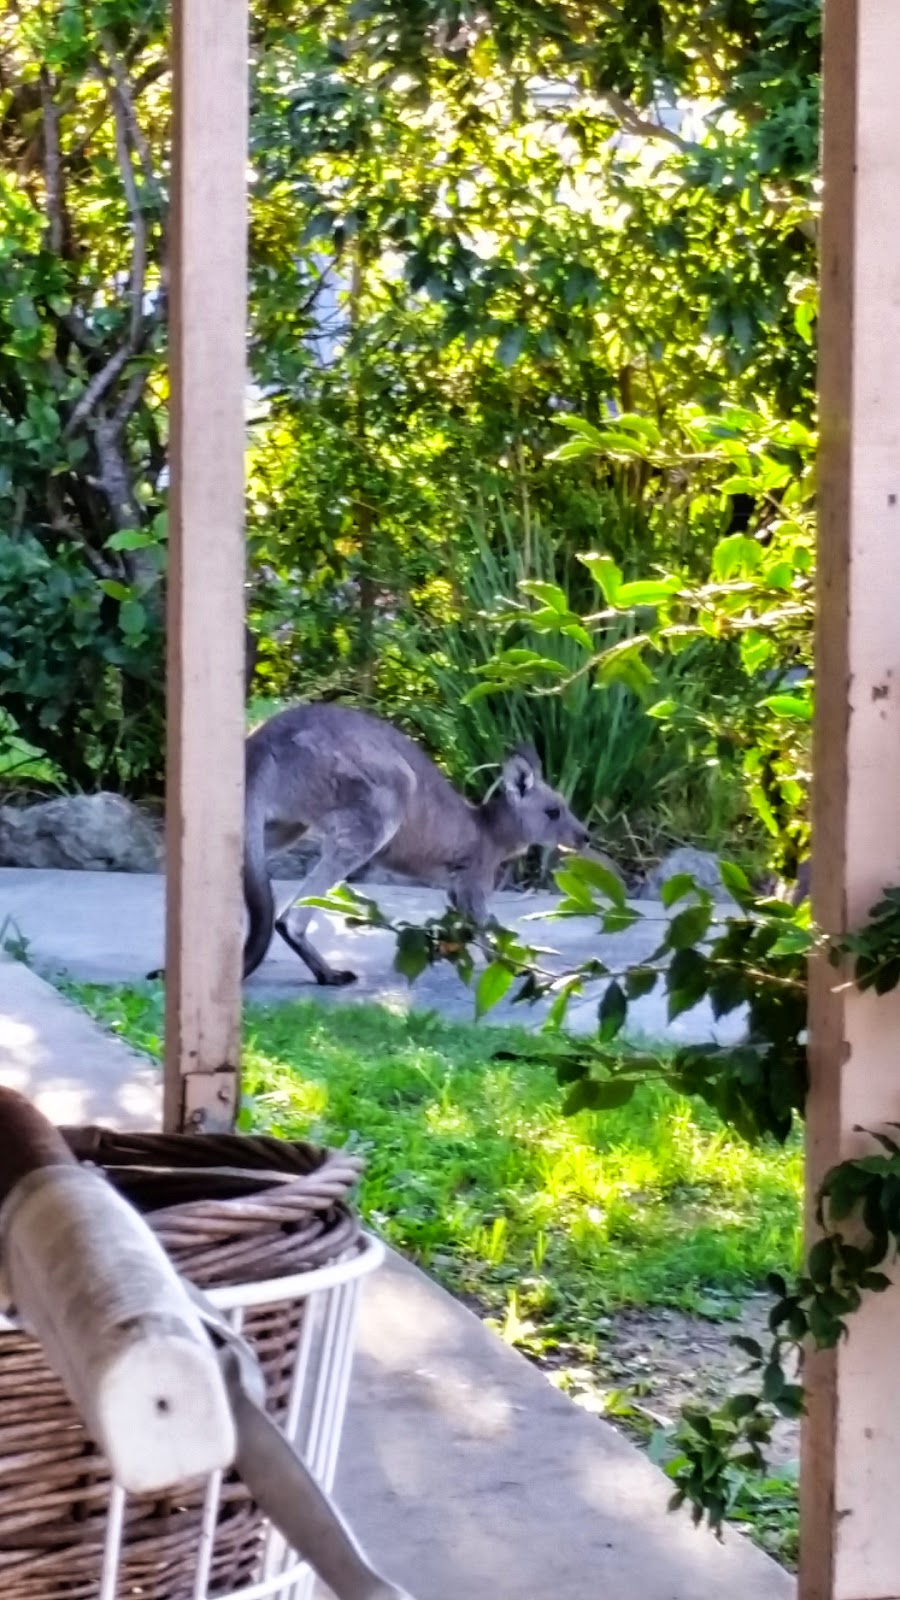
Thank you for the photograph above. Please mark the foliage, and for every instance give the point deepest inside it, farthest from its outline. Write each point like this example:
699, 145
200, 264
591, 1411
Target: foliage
81, 442
758, 1087
456, 1144
754, 961
21, 764
754, 605
461, 228
644, 787
519, 233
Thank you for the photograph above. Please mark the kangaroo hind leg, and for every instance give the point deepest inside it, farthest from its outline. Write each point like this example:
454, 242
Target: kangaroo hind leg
348, 843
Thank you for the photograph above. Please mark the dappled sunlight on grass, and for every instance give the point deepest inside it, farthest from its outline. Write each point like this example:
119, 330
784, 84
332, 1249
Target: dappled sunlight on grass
472, 1169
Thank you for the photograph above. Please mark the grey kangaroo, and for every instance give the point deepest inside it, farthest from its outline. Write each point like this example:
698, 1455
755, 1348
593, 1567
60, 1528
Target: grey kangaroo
367, 792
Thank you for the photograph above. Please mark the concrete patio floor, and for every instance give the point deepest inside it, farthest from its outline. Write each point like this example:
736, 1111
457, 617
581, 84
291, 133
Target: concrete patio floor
466, 1475
107, 927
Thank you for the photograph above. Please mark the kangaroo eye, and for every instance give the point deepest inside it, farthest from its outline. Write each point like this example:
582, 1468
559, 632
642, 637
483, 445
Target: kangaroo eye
553, 812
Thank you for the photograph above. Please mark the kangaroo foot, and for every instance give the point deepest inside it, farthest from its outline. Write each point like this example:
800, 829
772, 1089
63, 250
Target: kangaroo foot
309, 955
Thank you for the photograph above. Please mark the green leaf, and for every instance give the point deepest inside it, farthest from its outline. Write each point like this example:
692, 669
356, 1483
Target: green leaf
511, 345
605, 573
740, 483
130, 539
571, 450
676, 887
821, 1260
581, 426
640, 981
686, 980
736, 557
825, 1329
319, 226
773, 1381
619, 918
612, 1011
750, 1347
492, 986
624, 663
598, 877
651, 593
736, 882
556, 1016
789, 705
642, 426
550, 593
790, 1402
592, 1095
877, 1282
689, 927
413, 953
133, 617
662, 709
115, 589
757, 650
577, 892
793, 942
740, 1405
729, 987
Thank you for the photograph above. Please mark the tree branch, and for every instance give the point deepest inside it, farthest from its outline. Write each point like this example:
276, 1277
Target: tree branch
126, 103
138, 222
631, 121
63, 524
129, 399
139, 325
53, 178
97, 388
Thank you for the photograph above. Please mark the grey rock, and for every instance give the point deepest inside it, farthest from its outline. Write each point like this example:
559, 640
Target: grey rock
294, 861
87, 832
703, 866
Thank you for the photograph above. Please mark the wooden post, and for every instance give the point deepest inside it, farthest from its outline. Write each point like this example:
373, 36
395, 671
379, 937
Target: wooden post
205, 753
849, 1539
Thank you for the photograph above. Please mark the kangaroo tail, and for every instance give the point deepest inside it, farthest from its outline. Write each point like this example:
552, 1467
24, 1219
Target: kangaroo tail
258, 895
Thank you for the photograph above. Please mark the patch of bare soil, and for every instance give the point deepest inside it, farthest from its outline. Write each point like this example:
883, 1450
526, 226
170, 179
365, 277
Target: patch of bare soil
655, 1362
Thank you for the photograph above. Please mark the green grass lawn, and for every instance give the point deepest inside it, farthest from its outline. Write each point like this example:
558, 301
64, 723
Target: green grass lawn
546, 1224
473, 1171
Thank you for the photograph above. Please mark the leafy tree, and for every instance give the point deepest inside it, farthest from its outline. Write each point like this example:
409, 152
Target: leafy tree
519, 230
82, 431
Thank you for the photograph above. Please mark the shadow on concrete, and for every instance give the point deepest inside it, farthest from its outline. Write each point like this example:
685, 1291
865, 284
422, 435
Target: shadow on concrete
65, 1063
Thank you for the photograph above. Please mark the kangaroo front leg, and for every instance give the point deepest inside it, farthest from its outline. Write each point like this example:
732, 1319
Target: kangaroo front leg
468, 896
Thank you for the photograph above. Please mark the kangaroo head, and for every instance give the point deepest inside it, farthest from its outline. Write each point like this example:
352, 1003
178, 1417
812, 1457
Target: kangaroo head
537, 814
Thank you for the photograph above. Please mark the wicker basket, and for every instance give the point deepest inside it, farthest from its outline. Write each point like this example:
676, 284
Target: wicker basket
241, 1218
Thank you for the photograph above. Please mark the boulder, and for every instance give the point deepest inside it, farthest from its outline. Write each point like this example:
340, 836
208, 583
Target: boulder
295, 860
702, 865
90, 832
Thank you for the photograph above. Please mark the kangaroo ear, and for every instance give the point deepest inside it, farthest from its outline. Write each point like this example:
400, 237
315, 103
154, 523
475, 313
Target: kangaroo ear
521, 769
